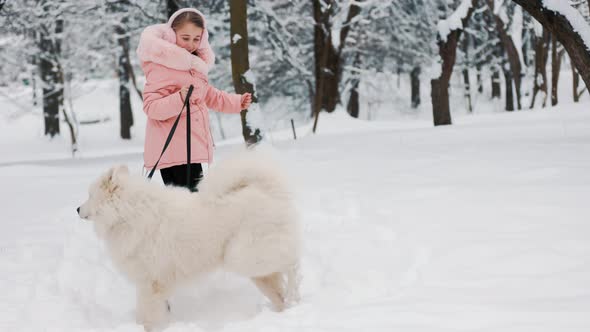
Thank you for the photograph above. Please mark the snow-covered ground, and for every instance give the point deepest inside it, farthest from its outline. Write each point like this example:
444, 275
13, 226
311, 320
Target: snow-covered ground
478, 226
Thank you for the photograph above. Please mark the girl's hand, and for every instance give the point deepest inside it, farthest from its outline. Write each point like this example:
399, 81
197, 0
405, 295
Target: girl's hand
246, 100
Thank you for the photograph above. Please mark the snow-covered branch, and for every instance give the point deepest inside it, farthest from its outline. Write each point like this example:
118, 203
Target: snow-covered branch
455, 21
573, 16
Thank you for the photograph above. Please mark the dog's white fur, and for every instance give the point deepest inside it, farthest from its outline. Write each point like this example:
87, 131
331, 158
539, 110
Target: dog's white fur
242, 220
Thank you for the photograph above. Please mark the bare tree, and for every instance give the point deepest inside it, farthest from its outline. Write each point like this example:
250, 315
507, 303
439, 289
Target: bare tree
171, 7
353, 102
562, 28
328, 57
240, 63
577, 93
515, 74
448, 52
584, 9
123, 69
50, 48
557, 53
542, 44
465, 72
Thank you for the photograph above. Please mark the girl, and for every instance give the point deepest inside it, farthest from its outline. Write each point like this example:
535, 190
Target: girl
173, 56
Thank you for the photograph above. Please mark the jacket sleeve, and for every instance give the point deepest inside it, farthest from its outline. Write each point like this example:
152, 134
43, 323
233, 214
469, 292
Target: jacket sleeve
222, 101
157, 44
162, 105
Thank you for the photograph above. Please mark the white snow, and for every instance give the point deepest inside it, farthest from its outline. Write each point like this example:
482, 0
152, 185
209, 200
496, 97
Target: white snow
573, 16
453, 22
516, 33
538, 28
478, 226
249, 76
236, 37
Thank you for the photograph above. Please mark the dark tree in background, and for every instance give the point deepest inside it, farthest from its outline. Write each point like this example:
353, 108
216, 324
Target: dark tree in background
240, 64
557, 53
415, 86
560, 26
353, 102
51, 73
123, 72
440, 86
495, 80
541, 44
171, 7
512, 72
328, 58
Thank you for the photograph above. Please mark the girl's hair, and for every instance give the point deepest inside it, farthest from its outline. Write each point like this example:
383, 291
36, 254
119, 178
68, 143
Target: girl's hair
188, 17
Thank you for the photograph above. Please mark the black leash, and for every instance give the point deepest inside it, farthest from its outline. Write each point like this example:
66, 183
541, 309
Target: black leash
188, 138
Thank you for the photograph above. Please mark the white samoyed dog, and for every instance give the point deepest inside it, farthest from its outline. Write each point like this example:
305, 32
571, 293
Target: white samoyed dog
241, 220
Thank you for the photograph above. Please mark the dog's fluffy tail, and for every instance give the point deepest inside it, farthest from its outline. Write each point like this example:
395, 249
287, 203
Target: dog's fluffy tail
251, 168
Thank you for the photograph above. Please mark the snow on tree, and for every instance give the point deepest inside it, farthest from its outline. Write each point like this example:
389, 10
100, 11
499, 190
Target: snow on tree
568, 26
449, 32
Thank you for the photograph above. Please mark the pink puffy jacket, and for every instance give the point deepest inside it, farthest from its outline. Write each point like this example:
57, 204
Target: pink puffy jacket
168, 68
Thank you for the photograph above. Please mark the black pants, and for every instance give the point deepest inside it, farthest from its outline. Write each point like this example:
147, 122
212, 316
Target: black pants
176, 175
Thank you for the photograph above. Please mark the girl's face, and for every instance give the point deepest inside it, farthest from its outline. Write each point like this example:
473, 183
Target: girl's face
188, 36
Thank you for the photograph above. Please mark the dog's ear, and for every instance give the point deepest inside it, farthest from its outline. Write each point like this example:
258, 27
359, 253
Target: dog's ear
113, 177
119, 172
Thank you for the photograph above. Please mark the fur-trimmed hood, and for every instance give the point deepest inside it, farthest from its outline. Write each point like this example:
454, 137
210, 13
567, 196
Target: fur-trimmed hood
157, 44
204, 35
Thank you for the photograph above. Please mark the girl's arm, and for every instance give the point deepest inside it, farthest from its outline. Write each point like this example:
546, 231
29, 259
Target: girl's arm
222, 101
157, 44
162, 104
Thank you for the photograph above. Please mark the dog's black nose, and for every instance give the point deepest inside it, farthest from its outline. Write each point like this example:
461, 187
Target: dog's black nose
78, 209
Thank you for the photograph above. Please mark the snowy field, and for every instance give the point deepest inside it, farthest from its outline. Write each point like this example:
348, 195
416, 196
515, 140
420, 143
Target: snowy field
479, 226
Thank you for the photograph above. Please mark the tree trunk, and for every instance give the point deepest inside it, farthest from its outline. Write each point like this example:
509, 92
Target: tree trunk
479, 80
34, 63
415, 86
399, 74
326, 61
440, 86
466, 83
556, 57
565, 34
541, 53
511, 52
440, 102
353, 102
576, 83
72, 125
123, 72
509, 95
329, 72
52, 91
467, 90
240, 63
496, 90
171, 7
